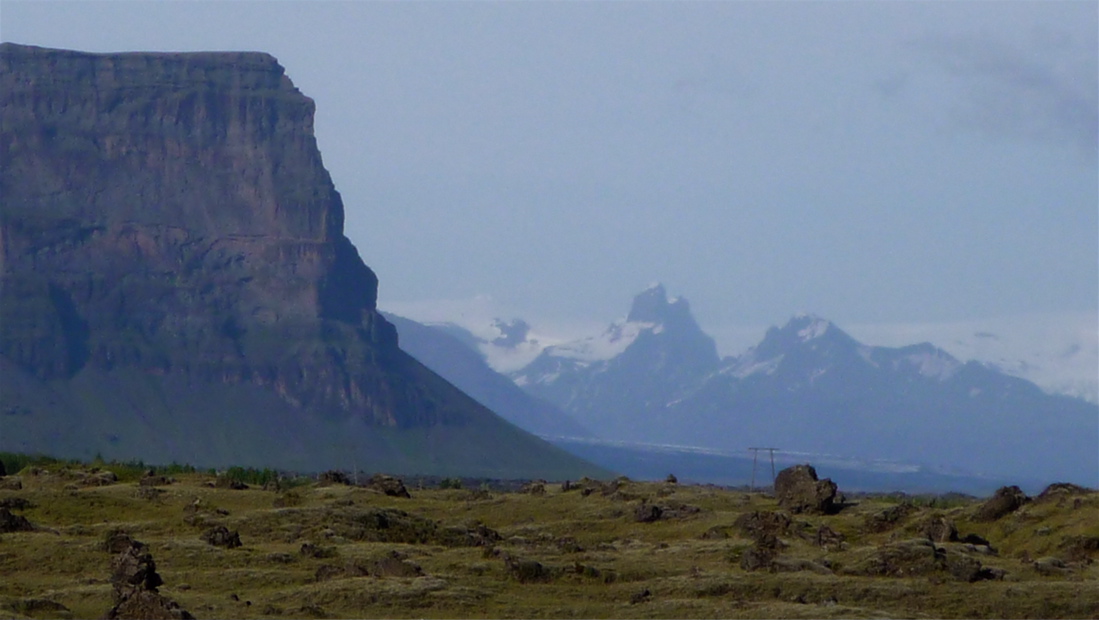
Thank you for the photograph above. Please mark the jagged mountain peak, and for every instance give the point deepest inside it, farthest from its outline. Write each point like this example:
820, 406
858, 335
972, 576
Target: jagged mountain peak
512, 333
654, 306
804, 330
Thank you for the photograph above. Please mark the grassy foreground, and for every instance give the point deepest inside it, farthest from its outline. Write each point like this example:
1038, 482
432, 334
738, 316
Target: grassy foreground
596, 550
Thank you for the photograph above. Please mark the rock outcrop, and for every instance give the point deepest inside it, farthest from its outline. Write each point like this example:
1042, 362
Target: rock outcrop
172, 257
798, 490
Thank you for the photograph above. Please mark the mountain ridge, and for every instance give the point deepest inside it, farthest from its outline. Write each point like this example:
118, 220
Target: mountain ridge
808, 385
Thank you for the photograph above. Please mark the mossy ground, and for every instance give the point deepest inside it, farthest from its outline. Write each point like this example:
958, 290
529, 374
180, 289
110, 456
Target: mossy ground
598, 560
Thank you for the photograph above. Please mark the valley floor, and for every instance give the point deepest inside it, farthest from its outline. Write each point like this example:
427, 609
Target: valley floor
593, 550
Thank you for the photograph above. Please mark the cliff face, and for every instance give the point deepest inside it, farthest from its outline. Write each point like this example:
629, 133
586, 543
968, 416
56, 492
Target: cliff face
170, 214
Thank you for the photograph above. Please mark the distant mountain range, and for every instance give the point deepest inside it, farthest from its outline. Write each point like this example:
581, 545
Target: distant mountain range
808, 386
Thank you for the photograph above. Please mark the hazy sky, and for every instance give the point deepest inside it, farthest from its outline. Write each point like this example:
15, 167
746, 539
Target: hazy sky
871, 162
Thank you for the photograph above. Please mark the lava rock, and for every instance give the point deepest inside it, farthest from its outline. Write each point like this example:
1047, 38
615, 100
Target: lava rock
799, 490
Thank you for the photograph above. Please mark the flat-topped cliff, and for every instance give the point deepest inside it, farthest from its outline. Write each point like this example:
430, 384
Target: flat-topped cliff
167, 227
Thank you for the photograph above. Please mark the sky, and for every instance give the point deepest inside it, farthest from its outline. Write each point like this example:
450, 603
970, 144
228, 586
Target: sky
875, 163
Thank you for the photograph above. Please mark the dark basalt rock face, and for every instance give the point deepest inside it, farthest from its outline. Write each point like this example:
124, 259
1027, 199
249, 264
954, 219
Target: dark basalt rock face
171, 211
170, 236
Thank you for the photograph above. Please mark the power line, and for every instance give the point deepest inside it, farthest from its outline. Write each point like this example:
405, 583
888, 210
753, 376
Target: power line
755, 455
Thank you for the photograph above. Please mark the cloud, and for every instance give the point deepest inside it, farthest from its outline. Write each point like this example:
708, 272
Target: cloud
1044, 88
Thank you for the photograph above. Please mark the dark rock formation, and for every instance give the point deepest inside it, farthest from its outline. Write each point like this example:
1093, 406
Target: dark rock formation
133, 570
168, 231
395, 565
390, 485
220, 536
527, 571
1005, 501
919, 557
798, 490
891, 517
14, 523
760, 522
938, 529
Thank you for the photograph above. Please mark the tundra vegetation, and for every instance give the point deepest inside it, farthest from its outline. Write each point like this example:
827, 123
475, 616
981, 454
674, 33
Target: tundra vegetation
118, 540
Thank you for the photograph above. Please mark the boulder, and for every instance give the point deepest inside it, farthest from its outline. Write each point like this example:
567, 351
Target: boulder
391, 486
1005, 501
762, 522
534, 487
1059, 491
394, 565
647, 513
333, 477
133, 570
11, 483
829, 539
1079, 548
527, 571
220, 536
887, 519
798, 490
762, 554
14, 523
16, 503
938, 529
147, 605
116, 541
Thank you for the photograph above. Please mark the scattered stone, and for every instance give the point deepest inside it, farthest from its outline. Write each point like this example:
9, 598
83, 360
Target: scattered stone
1061, 490
15, 503
333, 477
394, 565
116, 541
761, 555
326, 572
225, 482
798, 490
11, 483
390, 485
287, 499
919, 557
220, 536
1079, 548
133, 570
938, 529
763, 522
310, 550
280, 557
149, 494
147, 605
973, 539
1005, 501
527, 571
534, 487
1051, 566
99, 479
32, 607
889, 518
14, 523
647, 513
154, 480
829, 539
643, 596
671, 479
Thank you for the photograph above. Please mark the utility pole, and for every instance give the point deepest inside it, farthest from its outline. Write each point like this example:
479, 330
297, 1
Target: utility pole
755, 456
